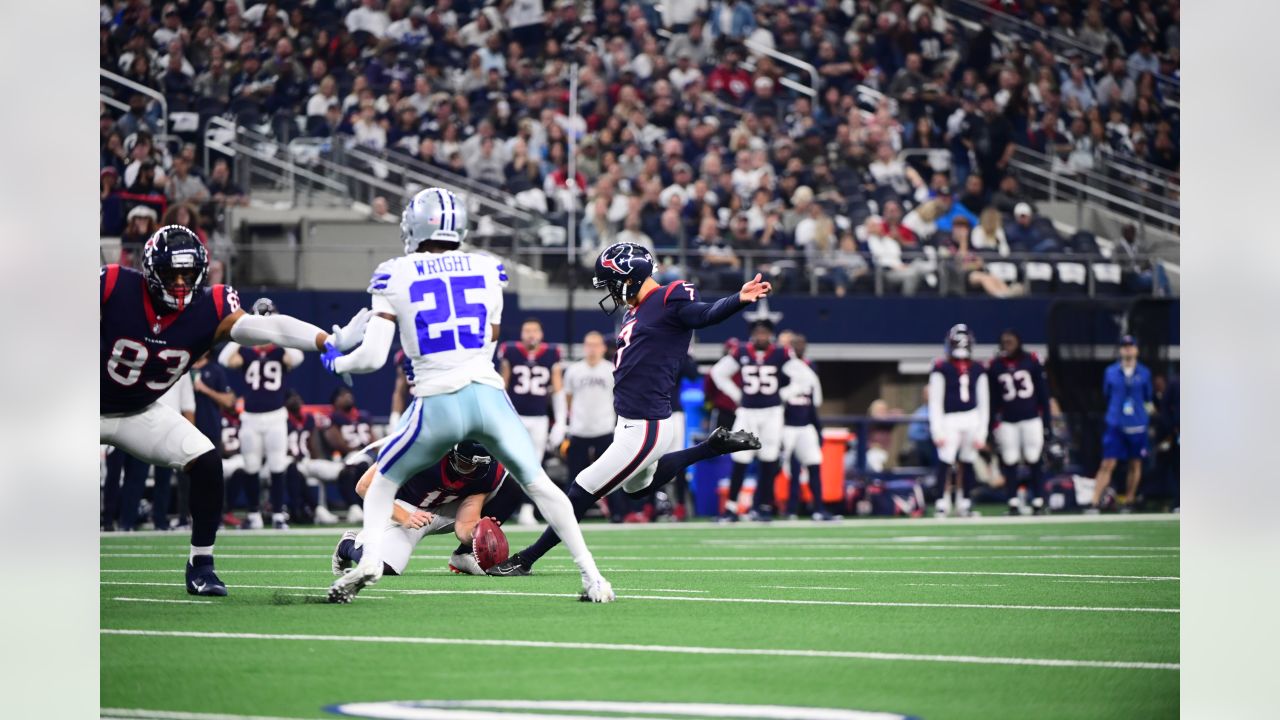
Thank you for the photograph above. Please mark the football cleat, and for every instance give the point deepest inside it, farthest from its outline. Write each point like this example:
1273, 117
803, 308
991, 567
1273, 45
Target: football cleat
355, 514
762, 514
464, 564
252, 521
729, 441
345, 588
597, 591
727, 517
341, 564
278, 522
511, 567
324, 516
824, 516
202, 580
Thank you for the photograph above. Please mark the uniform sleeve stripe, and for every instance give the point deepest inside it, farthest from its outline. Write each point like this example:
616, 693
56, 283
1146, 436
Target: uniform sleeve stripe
218, 294
671, 287
109, 282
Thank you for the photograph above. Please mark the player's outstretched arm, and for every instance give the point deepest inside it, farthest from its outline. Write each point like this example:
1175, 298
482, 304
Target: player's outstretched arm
372, 353
697, 315
282, 330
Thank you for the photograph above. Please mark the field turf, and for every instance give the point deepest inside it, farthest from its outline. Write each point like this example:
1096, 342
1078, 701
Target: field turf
1064, 617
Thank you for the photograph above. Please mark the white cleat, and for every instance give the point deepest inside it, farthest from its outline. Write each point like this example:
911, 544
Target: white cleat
339, 564
345, 588
464, 564
252, 521
597, 591
324, 516
355, 514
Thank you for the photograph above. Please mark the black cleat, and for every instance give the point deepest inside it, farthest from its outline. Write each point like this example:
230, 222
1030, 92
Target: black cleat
511, 567
201, 580
726, 441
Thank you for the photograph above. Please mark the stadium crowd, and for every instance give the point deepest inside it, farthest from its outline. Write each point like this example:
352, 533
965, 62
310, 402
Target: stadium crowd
692, 140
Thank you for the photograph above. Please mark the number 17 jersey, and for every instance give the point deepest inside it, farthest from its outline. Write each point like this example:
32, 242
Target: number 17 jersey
444, 304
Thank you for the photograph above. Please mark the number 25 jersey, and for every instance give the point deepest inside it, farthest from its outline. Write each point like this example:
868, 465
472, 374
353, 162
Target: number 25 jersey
444, 304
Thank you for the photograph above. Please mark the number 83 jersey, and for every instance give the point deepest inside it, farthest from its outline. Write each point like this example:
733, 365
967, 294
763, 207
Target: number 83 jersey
444, 304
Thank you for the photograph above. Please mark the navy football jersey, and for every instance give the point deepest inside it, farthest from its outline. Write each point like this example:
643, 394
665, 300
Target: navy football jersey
1017, 388
300, 429
230, 435
652, 345
962, 378
800, 410
762, 375
142, 353
440, 484
530, 384
264, 371
355, 428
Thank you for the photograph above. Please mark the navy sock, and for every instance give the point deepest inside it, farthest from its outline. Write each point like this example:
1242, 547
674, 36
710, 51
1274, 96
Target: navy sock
277, 492
581, 500
673, 464
815, 488
347, 550
1010, 473
764, 485
206, 498
736, 477
1036, 481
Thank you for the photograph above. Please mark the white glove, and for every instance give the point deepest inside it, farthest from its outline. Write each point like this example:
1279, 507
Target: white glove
346, 338
556, 436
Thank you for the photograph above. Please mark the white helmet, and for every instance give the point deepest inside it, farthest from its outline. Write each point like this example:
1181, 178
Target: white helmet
433, 214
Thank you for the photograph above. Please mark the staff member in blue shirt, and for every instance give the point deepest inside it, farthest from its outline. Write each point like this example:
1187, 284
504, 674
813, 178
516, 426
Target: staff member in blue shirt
1126, 385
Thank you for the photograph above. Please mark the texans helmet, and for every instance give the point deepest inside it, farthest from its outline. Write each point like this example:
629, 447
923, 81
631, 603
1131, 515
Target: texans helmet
959, 342
433, 214
174, 253
621, 269
470, 458
264, 306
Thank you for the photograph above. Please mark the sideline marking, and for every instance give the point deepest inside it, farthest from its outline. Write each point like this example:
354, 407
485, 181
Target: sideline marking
512, 710
161, 600
674, 649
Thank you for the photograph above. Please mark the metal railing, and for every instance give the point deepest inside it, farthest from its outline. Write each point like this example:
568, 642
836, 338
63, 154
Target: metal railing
815, 84
142, 90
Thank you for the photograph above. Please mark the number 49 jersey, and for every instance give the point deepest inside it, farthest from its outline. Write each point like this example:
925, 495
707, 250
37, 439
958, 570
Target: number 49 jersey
1018, 389
444, 304
142, 353
264, 370
530, 376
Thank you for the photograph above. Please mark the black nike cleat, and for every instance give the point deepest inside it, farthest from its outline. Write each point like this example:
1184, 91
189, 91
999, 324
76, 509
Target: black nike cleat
513, 566
726, 441
201, 580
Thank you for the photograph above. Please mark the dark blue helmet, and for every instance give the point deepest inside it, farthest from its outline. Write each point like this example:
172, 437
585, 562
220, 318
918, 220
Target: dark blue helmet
264, 306
621, 269
959, 342
470, 458
171, 254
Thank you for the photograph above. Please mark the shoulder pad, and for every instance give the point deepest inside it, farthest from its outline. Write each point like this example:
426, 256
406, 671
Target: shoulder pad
381, 275
938, 364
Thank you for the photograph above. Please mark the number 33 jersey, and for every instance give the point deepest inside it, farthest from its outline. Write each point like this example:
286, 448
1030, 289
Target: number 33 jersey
143, 353
444, 304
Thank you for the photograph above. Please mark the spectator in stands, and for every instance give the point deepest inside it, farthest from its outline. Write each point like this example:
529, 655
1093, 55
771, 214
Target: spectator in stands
140, 225
923, 220
370, 18
136, 119
894, 228
1009, 196
949, 210
183, 185
186, 215
721, 268
112, 216
731, 19
845, 265
1118, 87
965, 269
1077, 88
1024, 235
989, 235
886, 255
214, 84
145, 180
989, 136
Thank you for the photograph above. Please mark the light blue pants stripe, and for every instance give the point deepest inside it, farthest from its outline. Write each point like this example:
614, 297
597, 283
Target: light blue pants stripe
435, 424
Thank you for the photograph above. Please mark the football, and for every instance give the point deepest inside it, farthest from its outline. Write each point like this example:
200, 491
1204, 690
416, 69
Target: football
489, 544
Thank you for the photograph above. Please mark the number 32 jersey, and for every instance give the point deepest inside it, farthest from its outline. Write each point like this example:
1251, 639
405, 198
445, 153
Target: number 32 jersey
142, 354
530, 376
444, 304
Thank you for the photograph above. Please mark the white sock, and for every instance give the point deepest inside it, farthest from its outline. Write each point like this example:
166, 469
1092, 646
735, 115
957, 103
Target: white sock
378, 501
200, 550
277, 517
558, 512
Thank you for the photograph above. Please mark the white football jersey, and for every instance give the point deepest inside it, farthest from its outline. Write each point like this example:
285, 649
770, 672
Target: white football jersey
444, 304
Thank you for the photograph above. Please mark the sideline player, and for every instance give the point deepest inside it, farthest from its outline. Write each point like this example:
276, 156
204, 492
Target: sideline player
1126, 384
1019, 418
450, 495
264, 423
652, 344
448, 306
153, 323
534, 378
802, 437
768, 376
958, 412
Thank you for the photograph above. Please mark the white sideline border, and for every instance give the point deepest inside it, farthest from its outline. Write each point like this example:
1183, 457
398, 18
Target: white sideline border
748, 600
672, 649
764, 527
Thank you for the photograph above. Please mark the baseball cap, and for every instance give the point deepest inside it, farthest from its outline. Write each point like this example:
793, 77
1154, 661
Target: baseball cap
1128, 340
1022, 209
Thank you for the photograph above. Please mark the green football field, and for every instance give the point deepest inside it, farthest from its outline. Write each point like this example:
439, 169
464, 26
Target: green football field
1061, 617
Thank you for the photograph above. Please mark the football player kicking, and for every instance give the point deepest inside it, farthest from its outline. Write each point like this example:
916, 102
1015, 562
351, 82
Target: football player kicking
652, 345
448, 305
958, 412
1019, 419
451, 495
153, 324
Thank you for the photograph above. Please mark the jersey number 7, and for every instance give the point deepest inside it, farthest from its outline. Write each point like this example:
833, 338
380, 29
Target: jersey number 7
444, 339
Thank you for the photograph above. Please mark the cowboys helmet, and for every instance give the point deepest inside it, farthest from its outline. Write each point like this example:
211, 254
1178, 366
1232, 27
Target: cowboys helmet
959, 342
433, 214
469, 458
264, 306
173, 252
621, 269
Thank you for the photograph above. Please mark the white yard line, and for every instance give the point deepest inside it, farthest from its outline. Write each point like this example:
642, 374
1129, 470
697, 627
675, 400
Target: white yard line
160, 600
674, 649
868, 571
605, 557
113, 713
752, 601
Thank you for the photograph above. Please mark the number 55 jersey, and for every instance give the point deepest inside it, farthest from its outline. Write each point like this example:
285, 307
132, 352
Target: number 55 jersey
444, 304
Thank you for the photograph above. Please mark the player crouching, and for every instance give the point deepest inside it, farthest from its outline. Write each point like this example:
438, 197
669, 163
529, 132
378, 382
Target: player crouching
450, 495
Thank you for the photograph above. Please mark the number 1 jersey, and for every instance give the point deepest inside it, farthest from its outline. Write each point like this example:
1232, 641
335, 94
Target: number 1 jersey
444, 304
